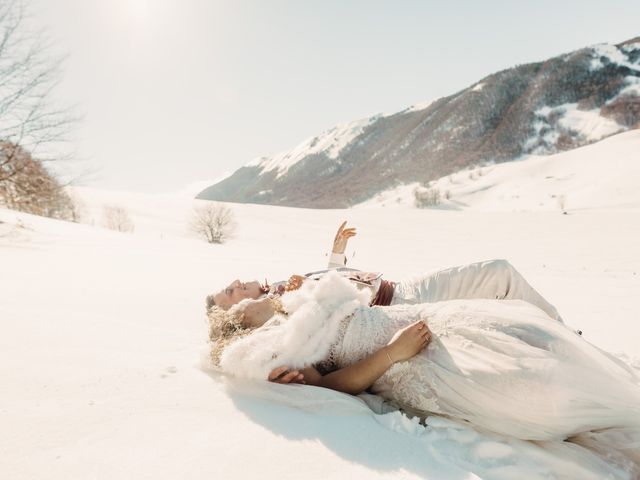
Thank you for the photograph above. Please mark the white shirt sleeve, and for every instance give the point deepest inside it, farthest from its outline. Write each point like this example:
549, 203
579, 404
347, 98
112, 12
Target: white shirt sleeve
337, 260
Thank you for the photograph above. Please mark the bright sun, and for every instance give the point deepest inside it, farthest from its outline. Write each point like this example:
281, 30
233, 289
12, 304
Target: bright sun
138, 10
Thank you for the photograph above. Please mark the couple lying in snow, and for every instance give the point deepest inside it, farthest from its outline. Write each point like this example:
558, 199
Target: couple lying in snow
475, 343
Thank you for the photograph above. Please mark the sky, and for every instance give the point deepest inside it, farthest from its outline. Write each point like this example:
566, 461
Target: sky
176, 92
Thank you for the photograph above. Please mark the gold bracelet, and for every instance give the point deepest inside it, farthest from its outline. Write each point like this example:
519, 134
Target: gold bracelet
389, 357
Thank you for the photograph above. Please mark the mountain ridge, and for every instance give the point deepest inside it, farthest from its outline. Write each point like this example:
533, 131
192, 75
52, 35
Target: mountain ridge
540, 108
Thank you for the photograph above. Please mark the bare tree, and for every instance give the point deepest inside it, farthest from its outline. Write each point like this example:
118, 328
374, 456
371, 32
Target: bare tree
117, 218
78, 211
215, 222
31, 124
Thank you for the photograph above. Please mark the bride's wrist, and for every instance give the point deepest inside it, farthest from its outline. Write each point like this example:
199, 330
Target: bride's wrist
389, 354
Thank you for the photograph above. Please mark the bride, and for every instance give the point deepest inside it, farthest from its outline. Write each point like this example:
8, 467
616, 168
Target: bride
502, 366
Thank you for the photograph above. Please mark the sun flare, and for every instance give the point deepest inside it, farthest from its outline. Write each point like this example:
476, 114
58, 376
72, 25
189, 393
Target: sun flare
137, 10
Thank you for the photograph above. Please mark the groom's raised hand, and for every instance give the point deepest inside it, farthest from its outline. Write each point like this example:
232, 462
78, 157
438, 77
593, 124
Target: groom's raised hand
342, 237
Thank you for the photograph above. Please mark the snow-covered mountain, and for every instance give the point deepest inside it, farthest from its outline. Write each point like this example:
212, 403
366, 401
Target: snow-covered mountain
541, 108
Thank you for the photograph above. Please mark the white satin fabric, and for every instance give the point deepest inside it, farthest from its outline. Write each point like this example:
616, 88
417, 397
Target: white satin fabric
505, 367
491, 279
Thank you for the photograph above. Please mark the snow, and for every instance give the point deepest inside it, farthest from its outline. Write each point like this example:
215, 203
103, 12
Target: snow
330, 142
419, 106
614, 55
103, 333
401, 195
629, 47
632, 88
478, 87
588, 124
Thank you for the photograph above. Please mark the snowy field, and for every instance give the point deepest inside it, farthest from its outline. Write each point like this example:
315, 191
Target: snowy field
104, 334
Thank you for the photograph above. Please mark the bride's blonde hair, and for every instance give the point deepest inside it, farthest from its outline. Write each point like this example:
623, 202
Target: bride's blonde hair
225, 326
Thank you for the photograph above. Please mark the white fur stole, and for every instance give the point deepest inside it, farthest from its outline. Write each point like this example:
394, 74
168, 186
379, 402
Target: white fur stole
304, 336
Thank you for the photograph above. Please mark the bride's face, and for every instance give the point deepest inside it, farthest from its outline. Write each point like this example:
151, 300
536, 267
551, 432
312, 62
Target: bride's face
256, 313
237, 291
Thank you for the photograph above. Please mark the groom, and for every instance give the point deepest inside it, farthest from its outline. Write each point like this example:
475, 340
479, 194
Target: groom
493, 279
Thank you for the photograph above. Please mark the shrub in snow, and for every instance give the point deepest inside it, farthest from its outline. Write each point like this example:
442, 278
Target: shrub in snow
214, 222
25, 185
117, 218
426, 197
562, 203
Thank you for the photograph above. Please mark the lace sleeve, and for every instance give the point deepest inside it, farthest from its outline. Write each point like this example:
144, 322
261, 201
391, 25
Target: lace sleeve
330, 364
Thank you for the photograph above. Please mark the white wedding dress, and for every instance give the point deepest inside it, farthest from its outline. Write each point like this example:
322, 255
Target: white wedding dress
505, 367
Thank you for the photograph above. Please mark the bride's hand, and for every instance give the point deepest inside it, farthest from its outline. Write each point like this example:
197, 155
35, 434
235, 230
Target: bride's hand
284, 375
409, 341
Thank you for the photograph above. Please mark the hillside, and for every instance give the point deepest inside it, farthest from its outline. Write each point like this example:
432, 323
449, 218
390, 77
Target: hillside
540, 108
604, 175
